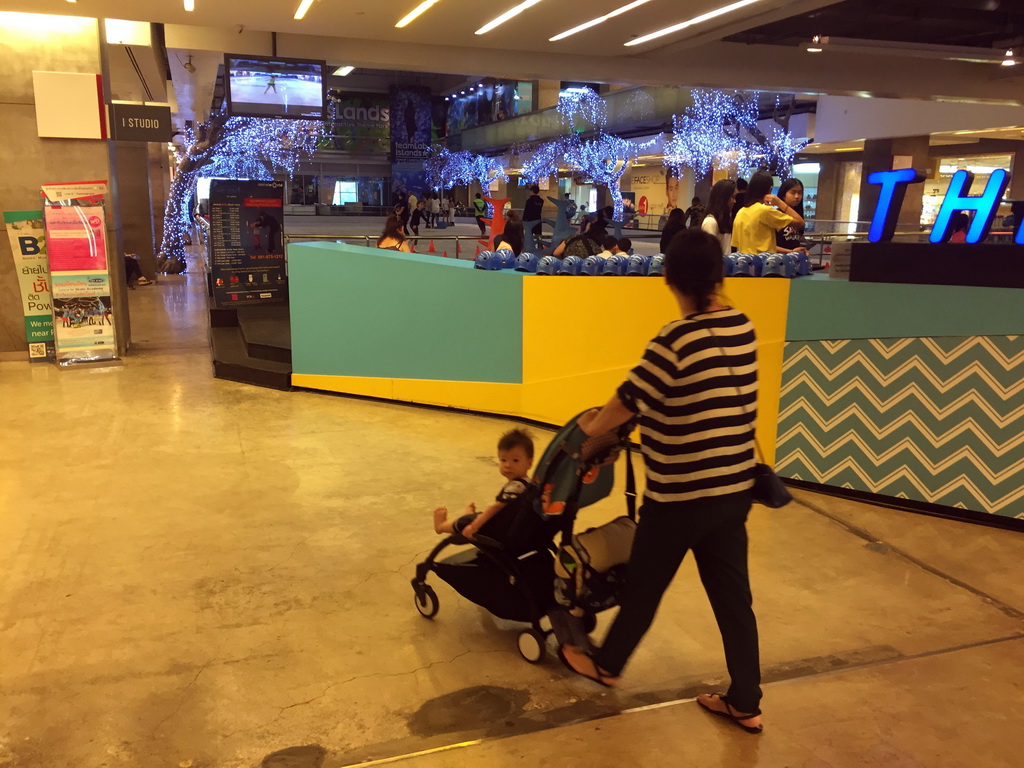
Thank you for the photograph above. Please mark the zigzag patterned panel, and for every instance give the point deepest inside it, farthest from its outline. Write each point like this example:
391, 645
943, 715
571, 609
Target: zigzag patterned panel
938, 420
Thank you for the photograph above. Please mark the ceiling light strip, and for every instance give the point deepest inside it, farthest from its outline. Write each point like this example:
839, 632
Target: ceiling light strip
598, 20
405, 20
694, 21
300, 12
510, 13
190, 5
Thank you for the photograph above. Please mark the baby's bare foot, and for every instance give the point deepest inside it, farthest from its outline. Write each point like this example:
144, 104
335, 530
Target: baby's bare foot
440, 518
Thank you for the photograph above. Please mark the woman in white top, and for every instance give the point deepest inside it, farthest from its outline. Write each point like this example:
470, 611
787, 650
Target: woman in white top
718, 222
435, 208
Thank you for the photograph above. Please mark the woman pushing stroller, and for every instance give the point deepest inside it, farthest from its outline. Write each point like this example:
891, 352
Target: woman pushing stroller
695, 392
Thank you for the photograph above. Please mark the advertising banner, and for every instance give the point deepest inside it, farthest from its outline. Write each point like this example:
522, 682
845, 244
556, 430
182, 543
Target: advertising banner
246, 250
83, 320
361, 122
411, 122
28, 244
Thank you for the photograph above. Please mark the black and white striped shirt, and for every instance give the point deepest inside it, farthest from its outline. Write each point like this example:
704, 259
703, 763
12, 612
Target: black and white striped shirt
696, 415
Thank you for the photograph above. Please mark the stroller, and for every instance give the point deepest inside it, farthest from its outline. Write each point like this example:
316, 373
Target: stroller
511, 568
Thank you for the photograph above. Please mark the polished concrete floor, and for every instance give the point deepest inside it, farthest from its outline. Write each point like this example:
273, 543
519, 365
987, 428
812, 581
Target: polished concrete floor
203, 574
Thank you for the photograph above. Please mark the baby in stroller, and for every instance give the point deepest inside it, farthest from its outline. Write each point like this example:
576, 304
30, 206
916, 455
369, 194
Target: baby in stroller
515, 457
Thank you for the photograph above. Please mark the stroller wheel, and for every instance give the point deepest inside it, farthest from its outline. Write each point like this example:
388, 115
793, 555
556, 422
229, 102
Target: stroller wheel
531, 645
426, 602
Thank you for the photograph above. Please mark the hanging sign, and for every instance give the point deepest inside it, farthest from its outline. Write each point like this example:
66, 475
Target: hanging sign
28, 245
140, 122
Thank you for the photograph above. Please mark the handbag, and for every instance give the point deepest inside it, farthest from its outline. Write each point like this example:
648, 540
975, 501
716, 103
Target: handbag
769, 490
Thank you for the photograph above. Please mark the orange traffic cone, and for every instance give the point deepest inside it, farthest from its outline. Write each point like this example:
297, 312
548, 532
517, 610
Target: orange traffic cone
445, 255
431, 248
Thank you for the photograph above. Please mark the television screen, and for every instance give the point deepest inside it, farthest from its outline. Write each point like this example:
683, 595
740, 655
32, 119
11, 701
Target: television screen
259, 86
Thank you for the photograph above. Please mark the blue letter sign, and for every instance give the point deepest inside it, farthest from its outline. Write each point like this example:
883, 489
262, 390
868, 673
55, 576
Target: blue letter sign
984, 206
890, 200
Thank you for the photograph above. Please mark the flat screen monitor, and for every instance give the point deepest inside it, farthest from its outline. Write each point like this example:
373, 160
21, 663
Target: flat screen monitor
263, 86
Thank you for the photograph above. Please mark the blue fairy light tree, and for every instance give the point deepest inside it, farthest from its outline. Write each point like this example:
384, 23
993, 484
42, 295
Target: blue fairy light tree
724, 129
583, 104
546, 159
235, 148
605, 158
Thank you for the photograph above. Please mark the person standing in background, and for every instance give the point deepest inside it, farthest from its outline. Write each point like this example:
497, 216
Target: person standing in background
676, 223
532, 209
435, 209
695, 213
479, 212
718, 221
741, 196
791, 192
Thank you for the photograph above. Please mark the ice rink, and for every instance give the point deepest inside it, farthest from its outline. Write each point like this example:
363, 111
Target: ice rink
291, 93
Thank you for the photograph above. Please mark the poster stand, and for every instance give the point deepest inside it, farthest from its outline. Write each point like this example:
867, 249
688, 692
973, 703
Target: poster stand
83, 320
28, 246
247, 263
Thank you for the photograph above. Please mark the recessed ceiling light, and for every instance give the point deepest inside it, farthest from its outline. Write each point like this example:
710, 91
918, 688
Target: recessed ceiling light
693, 22
480, 85
190, 5
301, 10
344, 71
510, 13
408, 18
462, 92
1009, 61
598, 20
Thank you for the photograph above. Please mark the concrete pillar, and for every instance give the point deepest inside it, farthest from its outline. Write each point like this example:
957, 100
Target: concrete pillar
54, 44
547, 94
132, 171
159, 182
828, 189
878, 156
1016, 188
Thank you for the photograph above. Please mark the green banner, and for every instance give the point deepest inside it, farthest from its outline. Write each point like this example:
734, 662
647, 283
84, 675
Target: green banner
28, 245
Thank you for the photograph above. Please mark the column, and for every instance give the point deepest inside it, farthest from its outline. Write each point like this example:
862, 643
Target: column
878, 156
53, 44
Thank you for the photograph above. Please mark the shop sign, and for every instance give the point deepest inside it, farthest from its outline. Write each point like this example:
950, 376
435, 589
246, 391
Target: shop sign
140, 122
958, 198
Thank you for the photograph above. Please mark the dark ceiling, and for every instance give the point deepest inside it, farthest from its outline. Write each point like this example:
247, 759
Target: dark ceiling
977, 23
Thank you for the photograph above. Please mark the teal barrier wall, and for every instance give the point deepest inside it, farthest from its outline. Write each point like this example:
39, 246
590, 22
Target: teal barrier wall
468, 323
839, 309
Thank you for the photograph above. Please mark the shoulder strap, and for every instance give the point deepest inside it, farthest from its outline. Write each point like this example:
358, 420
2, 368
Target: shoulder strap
630, 484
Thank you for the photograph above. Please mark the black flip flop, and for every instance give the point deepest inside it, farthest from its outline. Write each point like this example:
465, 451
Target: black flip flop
598, 678
734, 719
